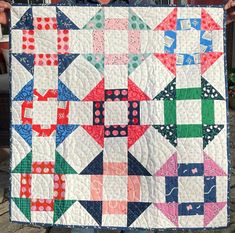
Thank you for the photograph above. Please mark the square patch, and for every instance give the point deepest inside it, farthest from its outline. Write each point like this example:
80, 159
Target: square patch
116, 113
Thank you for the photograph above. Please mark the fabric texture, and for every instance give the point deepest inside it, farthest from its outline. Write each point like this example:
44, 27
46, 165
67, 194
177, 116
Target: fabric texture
119, 117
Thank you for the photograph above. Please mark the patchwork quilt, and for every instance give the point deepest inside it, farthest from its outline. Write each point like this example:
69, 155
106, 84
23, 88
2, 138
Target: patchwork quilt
119, 117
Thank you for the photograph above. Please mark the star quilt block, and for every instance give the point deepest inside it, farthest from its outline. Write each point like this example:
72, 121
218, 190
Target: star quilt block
119, 117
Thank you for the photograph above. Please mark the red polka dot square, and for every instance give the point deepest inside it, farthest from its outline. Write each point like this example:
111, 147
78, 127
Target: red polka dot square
28, 45
45, 23
46, 60
42, 205
63, 41
25, 185
43, 168
59, 187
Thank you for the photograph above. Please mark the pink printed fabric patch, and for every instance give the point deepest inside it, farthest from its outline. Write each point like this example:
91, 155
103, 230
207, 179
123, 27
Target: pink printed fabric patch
119, 117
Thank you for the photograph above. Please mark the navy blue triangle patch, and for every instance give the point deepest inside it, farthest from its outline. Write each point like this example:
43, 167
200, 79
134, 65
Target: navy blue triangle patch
26, 93
169, 92
64, 93
26, 21
135, 209
209, 92
25, 131
135, 167
169, 132
63, 21
27, 60
94, 208
64, 61
210, 132
63, 131
95, 167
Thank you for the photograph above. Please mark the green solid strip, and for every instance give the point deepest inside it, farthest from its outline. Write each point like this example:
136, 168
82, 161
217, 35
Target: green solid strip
188, 93
25, 166
61, 166
208, 116
169, 112
24, 205
189, 131
60, 207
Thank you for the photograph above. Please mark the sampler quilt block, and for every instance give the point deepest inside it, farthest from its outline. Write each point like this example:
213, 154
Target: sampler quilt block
119, 117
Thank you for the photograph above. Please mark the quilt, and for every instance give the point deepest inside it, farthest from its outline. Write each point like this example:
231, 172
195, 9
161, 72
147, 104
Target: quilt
119, 117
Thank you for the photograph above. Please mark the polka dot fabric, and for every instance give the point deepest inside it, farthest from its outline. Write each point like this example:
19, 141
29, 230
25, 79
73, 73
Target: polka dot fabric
63, 41
28, 45
42, 205
43, 168
115, 131
25, 185
59, 186
46, 60
45, 23
117, 113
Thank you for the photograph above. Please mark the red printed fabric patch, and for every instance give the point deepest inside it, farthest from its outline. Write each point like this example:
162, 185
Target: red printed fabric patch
119, 117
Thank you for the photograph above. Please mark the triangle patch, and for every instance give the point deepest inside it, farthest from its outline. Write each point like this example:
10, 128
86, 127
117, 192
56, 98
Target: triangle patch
135, 168
25, 166
94, 208
208, 23
170, 210
63, 21
96, 22
26, 21
95, 167
208, 59
26, 60
26, 93
135, 22
209, 92
64, 93
169, 93
135, 60
62, 166
169, 23
168, 132
135, 132
24, 205
135, 93
209, 133
211, 168
65, 61
97, 93
211, 210
168, 60
25, 131
96, 132
60, 207
96, 60
63, 131
135, 209
169, 168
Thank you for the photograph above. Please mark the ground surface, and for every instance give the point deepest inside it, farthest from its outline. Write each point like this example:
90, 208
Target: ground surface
7, 227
